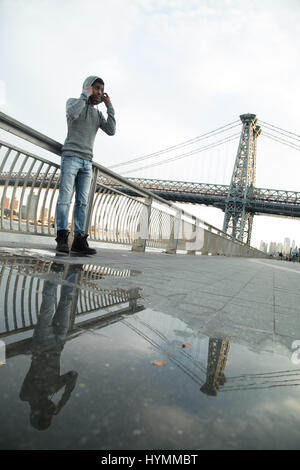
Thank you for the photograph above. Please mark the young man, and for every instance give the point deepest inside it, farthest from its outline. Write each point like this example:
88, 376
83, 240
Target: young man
76, 167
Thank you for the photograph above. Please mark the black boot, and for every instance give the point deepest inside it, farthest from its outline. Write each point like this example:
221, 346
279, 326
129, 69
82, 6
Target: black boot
62, 241
80, 245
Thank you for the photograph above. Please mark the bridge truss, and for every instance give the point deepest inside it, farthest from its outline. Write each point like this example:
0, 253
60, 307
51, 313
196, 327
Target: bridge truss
261, 201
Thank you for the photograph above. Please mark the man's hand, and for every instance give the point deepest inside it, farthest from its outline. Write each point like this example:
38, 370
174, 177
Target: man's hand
106, 99
89, 89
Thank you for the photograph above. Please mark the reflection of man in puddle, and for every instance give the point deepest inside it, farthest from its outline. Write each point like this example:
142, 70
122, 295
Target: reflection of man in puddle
43, 379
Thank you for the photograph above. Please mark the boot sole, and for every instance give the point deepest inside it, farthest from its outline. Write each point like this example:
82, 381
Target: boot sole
82, 253
62, 252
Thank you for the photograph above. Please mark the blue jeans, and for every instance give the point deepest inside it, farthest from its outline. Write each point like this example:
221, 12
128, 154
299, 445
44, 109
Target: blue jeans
75, 171
54, 320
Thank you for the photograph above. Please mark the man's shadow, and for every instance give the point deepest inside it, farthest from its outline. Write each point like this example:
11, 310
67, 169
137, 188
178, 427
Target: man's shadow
44, 379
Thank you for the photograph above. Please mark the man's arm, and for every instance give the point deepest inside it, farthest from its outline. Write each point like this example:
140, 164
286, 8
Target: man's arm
108, 125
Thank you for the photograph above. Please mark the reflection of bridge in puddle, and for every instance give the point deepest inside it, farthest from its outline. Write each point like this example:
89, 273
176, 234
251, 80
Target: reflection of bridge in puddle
204, 359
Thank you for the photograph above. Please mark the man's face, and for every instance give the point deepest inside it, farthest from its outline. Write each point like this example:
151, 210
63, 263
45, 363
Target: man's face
98, 89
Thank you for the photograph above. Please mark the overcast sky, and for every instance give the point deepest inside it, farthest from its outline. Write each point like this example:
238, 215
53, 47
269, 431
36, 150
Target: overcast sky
174, 70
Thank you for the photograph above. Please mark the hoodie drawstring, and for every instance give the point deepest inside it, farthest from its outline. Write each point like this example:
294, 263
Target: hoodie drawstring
87, 107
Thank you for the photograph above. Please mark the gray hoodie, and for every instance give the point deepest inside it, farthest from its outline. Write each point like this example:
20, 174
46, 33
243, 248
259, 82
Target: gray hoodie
83, 123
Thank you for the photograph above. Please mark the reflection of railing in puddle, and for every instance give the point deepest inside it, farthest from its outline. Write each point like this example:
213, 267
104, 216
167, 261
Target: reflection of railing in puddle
27, 283
57, 302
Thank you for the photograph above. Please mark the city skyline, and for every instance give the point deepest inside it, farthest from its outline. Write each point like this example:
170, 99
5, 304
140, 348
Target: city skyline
285, 246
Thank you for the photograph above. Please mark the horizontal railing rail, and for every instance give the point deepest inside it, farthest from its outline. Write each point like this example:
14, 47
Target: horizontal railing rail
29, 188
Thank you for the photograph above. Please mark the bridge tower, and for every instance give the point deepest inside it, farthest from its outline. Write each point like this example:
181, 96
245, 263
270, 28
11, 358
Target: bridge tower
238, 219
218, 350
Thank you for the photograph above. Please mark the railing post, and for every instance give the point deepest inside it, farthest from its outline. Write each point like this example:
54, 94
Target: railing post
194, 237
173, 240
142, 233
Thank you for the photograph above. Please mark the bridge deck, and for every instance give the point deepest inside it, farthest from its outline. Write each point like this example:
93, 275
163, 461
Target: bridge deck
200, 317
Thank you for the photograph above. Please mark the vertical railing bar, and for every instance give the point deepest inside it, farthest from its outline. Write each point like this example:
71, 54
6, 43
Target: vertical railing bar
5, 159
46, 197
114, 214
119, 218
106, 216
107, 212
15, 188
110, 215
15, 300
7, 298
90, 297
85, 301
121, 214
28, 203
98, 198
37, 298
133, 217
30, 302
101, 214
6, 186
36, 215
24, 191
80, 301
23, 300
54, 190
3, 269
124, 218
128, 220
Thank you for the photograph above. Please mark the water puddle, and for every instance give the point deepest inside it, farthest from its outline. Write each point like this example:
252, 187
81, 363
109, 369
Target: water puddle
86, 360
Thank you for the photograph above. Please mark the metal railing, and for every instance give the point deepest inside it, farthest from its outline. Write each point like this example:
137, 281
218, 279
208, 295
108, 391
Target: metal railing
33, 287
29, 189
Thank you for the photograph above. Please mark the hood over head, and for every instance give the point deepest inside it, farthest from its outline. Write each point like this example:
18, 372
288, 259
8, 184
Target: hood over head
90, 80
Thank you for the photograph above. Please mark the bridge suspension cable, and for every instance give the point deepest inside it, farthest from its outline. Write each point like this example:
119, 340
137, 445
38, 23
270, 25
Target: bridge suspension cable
270, 131
281, 378
275, 133
281, 131
281, 141
188, 154
204, 136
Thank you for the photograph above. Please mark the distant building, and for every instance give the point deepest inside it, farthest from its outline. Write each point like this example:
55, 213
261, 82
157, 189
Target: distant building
263, 246
286, 246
